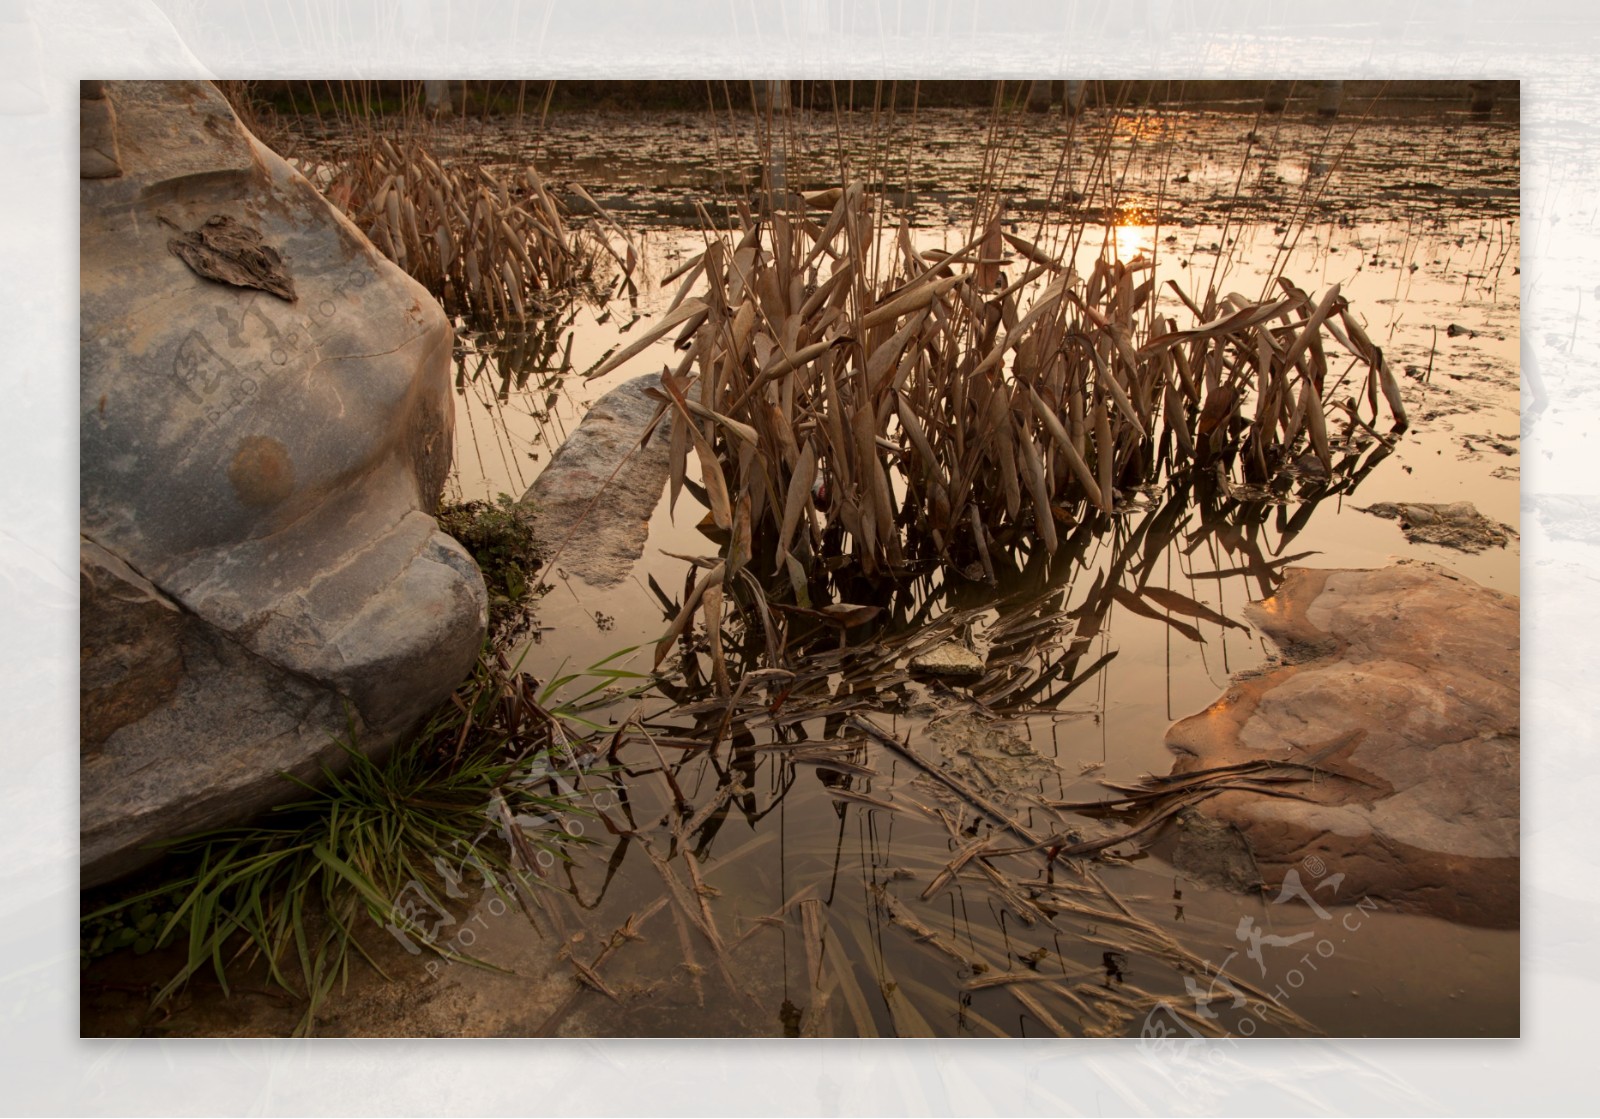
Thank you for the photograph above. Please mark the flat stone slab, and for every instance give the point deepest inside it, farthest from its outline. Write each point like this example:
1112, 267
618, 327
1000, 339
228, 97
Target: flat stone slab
1405, 681
593, 502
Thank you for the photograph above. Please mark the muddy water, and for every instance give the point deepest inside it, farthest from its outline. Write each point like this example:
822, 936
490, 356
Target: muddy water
775, 882
1429, 259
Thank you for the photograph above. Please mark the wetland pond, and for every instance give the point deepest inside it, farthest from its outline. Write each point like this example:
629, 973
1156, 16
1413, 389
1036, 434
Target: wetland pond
787, 870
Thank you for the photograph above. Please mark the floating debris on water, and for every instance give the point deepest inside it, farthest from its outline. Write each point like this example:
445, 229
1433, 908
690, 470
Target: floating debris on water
1458, 525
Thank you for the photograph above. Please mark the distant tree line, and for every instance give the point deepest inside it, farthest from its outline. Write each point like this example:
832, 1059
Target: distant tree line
493, 97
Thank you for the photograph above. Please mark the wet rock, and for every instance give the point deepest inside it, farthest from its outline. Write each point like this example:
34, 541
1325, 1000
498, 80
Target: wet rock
1213, 852
1403, 688
599, 522
260, 568
1459, 525
951, 660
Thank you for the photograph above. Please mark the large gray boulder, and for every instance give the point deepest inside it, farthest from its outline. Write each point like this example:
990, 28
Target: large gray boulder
1402, 688
266, 424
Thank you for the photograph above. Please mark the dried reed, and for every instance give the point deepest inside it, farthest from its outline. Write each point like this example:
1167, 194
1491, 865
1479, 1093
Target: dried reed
487, 245
897, 406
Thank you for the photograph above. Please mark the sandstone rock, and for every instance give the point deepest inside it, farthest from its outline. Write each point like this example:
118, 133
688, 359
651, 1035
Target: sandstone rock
600, 522
951, 660
97, 136
1406, 681
260, 568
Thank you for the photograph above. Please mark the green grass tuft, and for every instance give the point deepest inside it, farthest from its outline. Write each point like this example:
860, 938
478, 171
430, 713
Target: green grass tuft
499, 535
380, 846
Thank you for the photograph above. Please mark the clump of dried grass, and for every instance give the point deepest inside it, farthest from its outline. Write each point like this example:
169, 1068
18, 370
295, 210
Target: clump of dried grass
846, 395
487, 245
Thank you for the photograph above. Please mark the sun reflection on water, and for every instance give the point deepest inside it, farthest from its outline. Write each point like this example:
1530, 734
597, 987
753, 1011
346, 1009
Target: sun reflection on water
1132, 236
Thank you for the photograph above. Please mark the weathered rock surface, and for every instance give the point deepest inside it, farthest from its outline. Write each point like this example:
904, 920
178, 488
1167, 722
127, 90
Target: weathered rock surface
260, 571
97, 135
1458, 525
949, 660
599, 522
130, 661
1406, 681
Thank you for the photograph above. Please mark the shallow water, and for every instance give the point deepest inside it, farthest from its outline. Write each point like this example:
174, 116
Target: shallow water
1415, 260
1386, 163
1417, 222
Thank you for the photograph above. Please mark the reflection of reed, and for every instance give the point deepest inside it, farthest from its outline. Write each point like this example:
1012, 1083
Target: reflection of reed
893, 935
1036, 635
520, 368
932, 905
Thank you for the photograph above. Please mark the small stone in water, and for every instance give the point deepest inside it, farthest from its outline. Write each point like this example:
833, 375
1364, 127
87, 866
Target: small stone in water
949, 659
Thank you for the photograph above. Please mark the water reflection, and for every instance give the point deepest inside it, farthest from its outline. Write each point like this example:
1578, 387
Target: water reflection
1133, 236
844, 847
514, 378
787, 853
